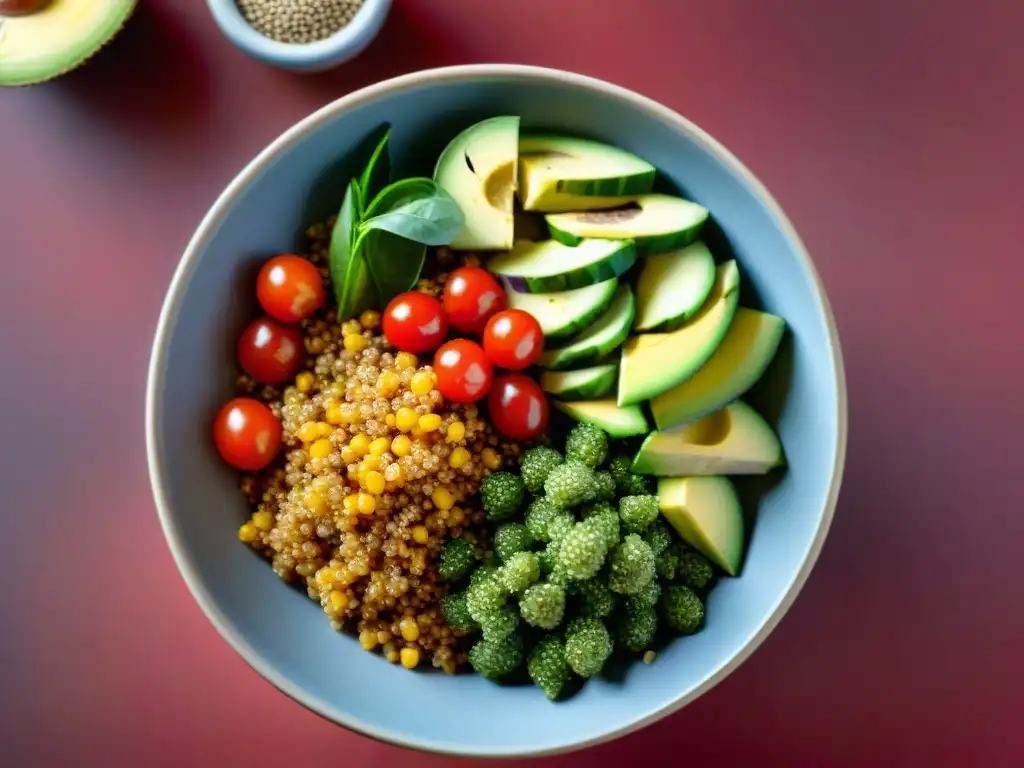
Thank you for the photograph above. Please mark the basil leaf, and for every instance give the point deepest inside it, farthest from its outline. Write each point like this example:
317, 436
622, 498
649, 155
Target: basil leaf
416, 209
394, 263
346, 262
378, 171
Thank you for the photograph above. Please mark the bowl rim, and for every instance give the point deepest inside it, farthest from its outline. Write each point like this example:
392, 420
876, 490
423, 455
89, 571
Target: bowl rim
211, 222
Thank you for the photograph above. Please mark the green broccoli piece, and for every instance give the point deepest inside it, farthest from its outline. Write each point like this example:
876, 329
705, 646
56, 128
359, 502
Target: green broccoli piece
635, 627
693, 569
605, 487
503, 494
560, 526
511, 538
645, 598
581, 552
457, 559
499, 624
638, 512
595, 599
587, 444
666, 565
456, 613
659, 536
547, 666
539, 516
543, 605
628, 483
588, 645
537, 465
520, 571
681, 609
632, 566
570, 483
497, 659
603, 518
486, 594
485, 572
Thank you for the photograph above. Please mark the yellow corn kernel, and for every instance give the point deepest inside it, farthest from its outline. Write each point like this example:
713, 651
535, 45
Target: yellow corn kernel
429, 422
401, 445
334, 414
491, 459
405, 419
456, 517
368, 640
321, 449
392, 656
350, 327
348, 456
388, 383
325, 576
456, 432
248, 532
324, 428
393, 474
410, 657
406, 360
308, 432
389, 419
360, 444
373, 481
351, 502
420, 535
410, 629
365, 503
371, 463
354, 342
379, 446
370, 319
263, 520
383, 636
459, 457
422, 382
315, 503
442, 498
304, 381
338, 600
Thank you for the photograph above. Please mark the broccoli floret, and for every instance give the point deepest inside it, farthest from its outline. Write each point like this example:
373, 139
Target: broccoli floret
587, 646
635, 627
500, 624
605, 486
666, 565
537, 465
511, 538
659, 537
560, 526
603, 518
638, 512
503, 494
547, 666
693, 570
486, 594
520, 571
543, 605
587, 444
581, 551
646, 597
485, 572
457, 559
596, 600
539, 516
456, 613
681, 609
495, 660
632, 566
569, 484
627, 483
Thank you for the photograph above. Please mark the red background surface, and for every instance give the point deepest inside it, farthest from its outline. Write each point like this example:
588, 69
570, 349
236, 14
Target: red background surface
891, 132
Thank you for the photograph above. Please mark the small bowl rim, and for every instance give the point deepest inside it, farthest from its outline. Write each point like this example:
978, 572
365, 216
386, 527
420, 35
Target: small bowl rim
191, 258
344, 44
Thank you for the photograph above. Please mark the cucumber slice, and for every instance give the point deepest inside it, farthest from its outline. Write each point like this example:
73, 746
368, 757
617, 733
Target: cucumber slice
656, 223
672, 287
565, 313
604, 335
582, 383
552, 266
625, 421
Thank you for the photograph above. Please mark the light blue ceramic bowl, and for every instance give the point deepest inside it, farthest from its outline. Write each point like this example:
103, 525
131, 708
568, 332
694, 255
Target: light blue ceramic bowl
340, 47
284, 636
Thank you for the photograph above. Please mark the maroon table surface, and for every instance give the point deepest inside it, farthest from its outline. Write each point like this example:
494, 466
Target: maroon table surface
891, 131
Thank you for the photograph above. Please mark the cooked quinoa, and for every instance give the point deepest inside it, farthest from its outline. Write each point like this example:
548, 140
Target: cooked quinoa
378, 471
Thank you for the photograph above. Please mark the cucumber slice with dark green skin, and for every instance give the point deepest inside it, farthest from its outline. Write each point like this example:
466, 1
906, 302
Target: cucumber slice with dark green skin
582, 383
656, 223
605, 334
624, 421
565, 313
552, 266
672, 287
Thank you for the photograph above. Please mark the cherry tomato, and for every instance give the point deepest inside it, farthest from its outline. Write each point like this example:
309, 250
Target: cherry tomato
247, 434
518, 407
269, 351
289, 288
513, 339
471, 296
415, 322
463, 371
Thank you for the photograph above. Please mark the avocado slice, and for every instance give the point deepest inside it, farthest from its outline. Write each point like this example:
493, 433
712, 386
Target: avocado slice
478, 168
57, 37
653, 363
735, 440
604, 413
707, 514
741, 359
563, 173
656, 223
673, 286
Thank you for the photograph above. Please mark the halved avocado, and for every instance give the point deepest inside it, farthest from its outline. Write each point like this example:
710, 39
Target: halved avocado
58, 37
656, 223
653, 363
707, 514
563, 173
479, 168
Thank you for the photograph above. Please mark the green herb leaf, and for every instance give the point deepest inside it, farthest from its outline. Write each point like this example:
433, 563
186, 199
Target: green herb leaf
416, 209
377, 173
350, 276
394, 262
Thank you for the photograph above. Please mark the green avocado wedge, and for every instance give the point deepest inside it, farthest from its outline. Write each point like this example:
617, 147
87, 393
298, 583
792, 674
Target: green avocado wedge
672, 287
604, 413
707, 514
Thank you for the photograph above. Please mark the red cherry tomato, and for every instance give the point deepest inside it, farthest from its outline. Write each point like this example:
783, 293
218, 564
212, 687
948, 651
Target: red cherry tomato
269, 351
463, 371
290, 288
247, 434
518, 407
471, 296
415, 322
513, 339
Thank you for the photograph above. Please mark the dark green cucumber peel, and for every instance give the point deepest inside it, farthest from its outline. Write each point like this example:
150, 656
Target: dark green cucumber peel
582, 383
563, 314
613, 264
606, 334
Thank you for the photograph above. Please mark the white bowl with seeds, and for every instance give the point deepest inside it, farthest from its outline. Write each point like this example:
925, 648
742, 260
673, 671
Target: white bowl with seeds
301, 35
